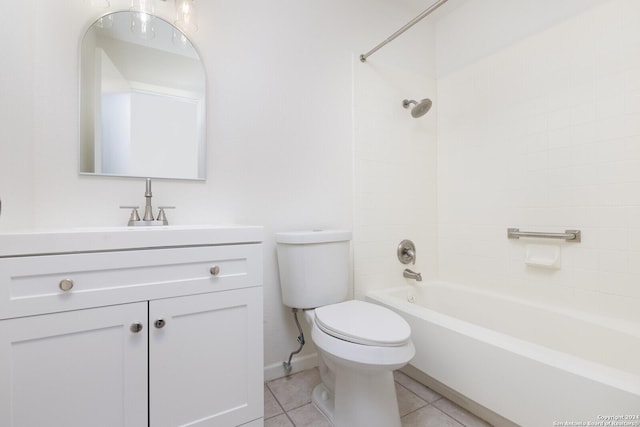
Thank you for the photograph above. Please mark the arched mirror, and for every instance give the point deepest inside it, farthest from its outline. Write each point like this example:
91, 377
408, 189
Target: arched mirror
142, 99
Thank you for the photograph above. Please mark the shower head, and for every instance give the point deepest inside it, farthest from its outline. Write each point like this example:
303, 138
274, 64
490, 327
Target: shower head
421, 108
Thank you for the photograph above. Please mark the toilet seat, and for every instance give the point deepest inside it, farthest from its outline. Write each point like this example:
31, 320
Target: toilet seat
360, 356
363, 323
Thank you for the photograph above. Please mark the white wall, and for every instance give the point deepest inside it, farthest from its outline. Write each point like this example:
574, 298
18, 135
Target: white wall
17, 110
280, 122
544, 134
471, 29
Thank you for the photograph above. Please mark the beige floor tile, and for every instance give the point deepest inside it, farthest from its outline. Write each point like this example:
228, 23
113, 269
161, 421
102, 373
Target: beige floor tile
407, 401
308, 416
422, 391
458, 413
271, 405
295, 390
280, 421
429, 416
419, 406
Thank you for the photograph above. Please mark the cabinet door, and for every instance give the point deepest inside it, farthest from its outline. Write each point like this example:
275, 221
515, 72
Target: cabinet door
205, 362
75, 369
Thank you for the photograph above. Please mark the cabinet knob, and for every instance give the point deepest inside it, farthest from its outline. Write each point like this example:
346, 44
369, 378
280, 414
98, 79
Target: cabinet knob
136, 327
215, 270
159, 323
66, 285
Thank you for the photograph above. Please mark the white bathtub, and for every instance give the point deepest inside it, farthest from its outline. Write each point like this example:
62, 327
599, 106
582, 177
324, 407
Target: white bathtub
532, 364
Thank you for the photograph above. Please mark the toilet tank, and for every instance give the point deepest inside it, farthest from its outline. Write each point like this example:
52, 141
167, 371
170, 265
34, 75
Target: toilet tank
314, 267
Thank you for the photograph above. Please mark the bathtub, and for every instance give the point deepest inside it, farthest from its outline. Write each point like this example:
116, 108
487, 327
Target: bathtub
532, 364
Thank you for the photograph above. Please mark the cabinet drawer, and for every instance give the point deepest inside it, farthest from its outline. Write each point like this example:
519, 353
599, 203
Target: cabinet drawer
35, 284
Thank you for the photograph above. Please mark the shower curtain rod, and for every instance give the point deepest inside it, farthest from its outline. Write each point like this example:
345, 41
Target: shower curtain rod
414, 21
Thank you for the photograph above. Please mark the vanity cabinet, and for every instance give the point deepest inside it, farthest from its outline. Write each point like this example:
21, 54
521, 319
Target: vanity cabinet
211, 379
77, 368
164, 335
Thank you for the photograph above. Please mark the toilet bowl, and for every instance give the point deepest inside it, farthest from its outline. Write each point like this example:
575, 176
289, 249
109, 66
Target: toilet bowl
360, 345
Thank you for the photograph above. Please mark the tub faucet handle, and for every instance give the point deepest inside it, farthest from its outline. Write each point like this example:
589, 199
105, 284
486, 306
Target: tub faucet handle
406, 252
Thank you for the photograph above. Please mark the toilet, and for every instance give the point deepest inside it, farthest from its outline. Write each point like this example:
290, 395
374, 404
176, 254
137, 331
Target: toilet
359, 344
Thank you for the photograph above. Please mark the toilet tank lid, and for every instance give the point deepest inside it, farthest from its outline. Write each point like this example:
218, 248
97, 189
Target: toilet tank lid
313, 236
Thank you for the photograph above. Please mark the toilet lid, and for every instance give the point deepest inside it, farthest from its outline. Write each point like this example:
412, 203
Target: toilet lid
363, 323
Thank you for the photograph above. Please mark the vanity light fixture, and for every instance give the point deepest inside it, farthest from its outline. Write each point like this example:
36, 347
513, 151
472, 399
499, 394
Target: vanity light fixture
186, 18
101, 3
142, 18
146, 6
142, 21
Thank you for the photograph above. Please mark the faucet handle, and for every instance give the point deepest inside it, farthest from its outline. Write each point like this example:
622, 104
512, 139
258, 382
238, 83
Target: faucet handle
134, 213
162, 216
406, 252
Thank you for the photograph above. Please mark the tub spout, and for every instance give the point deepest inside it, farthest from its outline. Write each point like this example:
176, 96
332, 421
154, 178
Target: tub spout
410, 274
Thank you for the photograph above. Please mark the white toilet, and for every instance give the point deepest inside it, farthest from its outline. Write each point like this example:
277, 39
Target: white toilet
359, 344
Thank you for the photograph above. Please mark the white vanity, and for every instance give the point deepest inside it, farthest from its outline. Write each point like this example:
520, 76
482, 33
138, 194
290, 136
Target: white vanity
158, 326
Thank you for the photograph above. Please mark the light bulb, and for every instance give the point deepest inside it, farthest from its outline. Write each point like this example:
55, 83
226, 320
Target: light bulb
186, 15
100, 3
147, 6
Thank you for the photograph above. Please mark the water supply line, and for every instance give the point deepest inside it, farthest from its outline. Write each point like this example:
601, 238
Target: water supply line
414, 21
287, 364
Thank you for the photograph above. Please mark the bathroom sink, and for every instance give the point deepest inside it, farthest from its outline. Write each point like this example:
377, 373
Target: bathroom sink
112, 238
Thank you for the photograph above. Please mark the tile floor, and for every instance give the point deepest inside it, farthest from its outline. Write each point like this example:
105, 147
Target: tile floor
287, 403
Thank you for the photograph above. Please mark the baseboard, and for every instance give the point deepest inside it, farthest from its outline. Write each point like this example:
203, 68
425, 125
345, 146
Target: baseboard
475, 408
302, 363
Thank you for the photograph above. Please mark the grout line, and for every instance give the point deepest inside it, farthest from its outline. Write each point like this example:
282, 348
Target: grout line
290, 420
426, 404
445, 413
298, 407
423, 400
457, 420
417, 409
277, 401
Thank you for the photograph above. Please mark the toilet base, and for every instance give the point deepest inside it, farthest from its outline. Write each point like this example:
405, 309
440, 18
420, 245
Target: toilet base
323, 400
359, 400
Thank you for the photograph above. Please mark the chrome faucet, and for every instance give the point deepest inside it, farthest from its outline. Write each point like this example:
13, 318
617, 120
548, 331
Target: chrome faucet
148, 218
410, 274
148, 210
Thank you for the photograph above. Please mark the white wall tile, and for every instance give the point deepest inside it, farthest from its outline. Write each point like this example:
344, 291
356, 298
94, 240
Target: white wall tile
574, 164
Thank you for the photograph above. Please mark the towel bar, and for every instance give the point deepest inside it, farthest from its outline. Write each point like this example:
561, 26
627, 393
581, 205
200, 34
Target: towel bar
568, 235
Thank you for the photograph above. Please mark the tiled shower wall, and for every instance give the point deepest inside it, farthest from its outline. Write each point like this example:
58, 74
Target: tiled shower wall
544, 135
395, 174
